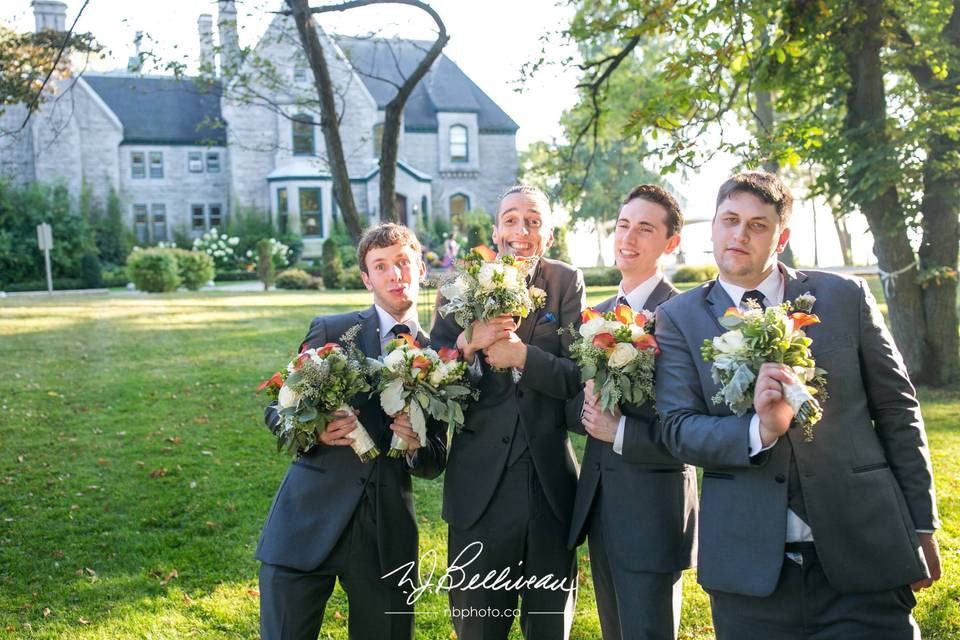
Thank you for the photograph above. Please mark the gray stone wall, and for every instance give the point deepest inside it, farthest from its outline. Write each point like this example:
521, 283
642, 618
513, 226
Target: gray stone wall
16, 149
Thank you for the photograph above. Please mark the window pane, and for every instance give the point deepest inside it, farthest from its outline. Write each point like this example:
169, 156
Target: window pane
137, 168
311, 219
140, 222
195, 162
156, 164
197, 221
159, 214
302, 127
458, 143
216, 218
213, 162
459, 204
299, 73
282, 209
377, 139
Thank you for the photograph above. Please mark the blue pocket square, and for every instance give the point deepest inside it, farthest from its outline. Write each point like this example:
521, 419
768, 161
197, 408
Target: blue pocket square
547, 317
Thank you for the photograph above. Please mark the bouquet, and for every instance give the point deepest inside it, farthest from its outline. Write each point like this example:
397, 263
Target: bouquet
616, 350
313, 388
776, 335
419, 381
481, 290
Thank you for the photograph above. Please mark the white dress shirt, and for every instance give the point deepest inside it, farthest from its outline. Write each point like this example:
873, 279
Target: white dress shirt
636, 298
388, 322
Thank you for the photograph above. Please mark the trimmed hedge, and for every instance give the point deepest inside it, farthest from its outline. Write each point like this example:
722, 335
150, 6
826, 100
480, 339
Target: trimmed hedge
297, 279
195, 268
695, 273
59, 284
236, 276
601, 276
154, 270
350, 278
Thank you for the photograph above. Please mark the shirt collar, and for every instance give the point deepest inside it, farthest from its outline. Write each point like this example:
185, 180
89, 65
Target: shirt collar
638, 297
771, 288
387, 322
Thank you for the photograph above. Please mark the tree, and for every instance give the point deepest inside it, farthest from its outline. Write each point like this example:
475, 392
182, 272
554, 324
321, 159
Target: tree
865, 93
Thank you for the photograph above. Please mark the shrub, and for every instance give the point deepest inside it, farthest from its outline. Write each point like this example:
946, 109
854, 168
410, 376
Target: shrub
695, 273
601, 276
266, 267
297, 279
559, 250
194, 267
154, 270
90, 272
218, 246
477, 225
236, 276
332, 270
351, 278
59, 284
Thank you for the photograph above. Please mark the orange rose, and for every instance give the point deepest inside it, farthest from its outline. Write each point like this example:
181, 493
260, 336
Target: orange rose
641, 319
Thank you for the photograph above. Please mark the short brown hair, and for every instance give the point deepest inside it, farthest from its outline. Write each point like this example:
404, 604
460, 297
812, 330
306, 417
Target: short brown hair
659, 195
766, 186
385, 235
522, 188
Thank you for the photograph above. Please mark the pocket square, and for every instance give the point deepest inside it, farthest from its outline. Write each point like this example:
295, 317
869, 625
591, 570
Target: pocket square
547, 317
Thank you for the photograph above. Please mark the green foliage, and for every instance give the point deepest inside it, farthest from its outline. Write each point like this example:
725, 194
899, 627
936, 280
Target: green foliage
194, 267
601, 276
332, 270
351, 278
346, 247
90, 272
477, 226
559, 250
297, 279
154, 270
266, 267
695, 273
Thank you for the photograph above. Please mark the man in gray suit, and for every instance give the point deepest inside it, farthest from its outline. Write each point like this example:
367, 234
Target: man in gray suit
511, 476
635, 502
335, 516
820, 539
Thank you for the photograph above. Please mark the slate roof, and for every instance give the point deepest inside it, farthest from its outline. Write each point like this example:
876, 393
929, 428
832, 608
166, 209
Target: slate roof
163, 110
380, 62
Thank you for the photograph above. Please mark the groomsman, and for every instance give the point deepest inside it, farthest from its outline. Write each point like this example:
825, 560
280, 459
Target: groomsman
823, 539
335, 517
636, 503
511, 476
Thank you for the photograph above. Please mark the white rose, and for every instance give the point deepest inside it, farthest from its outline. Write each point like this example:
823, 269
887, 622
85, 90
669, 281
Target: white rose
439, 375
510, 277
485, 276
729, 342
592, 327
287, 397
623, 354
394, 360
635, 332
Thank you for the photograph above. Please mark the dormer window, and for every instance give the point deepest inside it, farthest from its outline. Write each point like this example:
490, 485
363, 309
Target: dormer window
303, 143
458, 143
377, 139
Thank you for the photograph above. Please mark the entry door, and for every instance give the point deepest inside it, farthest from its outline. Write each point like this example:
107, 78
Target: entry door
400, 205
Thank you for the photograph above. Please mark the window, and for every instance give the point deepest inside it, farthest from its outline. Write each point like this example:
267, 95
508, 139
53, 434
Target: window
137, 166
156, 164
423, 209
459, 204
458, 143
299, 73
311, 218
377, 139
216, 215
302, 135
195, 162
283, 209
140, 223
158, 212
213, 162
198, 222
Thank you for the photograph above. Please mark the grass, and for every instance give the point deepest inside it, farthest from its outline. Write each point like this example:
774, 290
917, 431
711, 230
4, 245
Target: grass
135, 474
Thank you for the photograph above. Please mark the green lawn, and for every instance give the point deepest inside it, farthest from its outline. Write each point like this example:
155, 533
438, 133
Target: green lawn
135, 474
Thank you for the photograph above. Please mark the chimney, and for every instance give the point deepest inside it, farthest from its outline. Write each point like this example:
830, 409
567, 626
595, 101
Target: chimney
135, 62
49, 14
208, 65
229, 42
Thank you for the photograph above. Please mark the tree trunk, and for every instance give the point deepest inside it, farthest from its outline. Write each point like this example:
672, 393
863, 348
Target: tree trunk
764, 120
866, 129
843, 235
329, 123
389, 152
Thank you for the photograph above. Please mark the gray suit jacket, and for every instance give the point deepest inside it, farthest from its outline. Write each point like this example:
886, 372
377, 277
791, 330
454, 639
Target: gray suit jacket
648, 503
322, 488
866, 478
479, 453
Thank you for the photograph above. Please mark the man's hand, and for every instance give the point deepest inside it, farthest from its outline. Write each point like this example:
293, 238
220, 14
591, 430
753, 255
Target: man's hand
404, 428
931, 554
602, 425
335, 435
507, 353
774, 412
485, 334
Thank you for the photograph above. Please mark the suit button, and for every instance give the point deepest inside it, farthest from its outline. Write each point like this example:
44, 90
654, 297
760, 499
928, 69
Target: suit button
506, 439
780, 478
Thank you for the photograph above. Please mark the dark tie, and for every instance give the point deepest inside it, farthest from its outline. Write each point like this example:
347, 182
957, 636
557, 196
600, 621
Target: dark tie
754, 295
398, 329
622, 300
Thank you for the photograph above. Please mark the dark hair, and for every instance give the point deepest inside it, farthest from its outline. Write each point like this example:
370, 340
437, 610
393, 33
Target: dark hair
521, 188
765, 186
385, 235
659, 195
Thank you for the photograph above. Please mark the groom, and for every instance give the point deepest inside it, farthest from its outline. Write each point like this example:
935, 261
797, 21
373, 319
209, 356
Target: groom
823, 539
335, 517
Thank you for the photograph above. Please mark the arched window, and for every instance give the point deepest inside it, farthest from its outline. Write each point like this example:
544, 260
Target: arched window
458, 143
459, 204
303, 130
377, 139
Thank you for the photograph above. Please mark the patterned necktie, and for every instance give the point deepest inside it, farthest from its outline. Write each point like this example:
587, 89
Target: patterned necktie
754, 295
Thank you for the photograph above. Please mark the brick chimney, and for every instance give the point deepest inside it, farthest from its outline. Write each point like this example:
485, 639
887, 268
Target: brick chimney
229, 41
208, 64
49, 14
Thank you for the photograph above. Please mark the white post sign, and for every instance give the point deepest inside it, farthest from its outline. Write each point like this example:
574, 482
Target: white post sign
45, 241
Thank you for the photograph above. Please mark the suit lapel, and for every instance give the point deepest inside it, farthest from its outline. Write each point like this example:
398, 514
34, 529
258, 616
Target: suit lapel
659, 295
716, 302
369, 340
794, 283
527, 324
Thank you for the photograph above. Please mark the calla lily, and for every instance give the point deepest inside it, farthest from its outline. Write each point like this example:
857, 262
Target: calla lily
589, 314
406, 337
623, 313
801, 320
733, 311
448, 355
421, 362
275, 381
327, 348
604, 341
647, 341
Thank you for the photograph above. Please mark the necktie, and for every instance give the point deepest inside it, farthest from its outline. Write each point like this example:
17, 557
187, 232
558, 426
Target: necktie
622, 300
754, 295
398, 329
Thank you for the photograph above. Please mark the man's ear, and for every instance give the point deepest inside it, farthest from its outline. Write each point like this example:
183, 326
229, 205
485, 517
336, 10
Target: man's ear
549, 241
366, 280
672, 244
783, 239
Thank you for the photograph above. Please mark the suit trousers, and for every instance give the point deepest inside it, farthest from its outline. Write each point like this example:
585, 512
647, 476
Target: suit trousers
633, 605
805, 607
521, 538
292, 602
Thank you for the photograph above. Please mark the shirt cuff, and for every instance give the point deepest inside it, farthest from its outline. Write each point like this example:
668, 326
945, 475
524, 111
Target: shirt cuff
475, 367
930, 531
618, 439
516, 373
412, 459
756, 444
